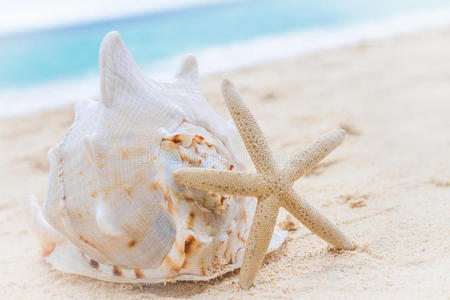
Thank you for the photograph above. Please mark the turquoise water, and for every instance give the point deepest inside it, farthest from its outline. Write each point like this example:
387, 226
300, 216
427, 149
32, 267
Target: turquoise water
72, 52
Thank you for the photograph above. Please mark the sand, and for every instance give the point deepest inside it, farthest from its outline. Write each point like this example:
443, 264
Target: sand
387, 185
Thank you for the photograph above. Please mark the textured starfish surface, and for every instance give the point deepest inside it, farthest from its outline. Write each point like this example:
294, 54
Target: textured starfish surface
272, 185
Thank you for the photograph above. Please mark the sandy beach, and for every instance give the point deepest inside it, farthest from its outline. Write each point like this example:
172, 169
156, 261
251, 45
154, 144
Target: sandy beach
387, 185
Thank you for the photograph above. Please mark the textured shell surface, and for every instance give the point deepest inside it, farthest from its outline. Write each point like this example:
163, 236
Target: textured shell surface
113, 210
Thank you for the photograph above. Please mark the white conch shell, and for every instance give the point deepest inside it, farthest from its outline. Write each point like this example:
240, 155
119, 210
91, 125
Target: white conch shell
114, 211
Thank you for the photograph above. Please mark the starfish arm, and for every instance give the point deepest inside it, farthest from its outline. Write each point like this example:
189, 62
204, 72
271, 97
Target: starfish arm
315, 221
259, 239
221, 181
301, 163
251, 134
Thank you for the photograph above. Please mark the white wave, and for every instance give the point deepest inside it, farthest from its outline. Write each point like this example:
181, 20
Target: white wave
25, 15
233, 56
268, 48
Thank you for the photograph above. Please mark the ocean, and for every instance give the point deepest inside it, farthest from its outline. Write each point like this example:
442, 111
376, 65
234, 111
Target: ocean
54, 66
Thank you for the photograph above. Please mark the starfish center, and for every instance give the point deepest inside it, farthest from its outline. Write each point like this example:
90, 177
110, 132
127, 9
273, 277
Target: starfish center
277, 185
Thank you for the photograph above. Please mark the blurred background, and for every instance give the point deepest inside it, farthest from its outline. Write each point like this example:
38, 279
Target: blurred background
49, 49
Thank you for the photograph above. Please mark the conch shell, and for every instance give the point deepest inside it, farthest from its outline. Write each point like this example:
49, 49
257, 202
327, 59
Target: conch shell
114, 211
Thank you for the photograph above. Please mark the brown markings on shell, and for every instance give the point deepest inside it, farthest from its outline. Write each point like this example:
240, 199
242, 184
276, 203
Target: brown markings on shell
241, 238
201, 140
174, 140
132, 243
117, 180
81, 172
61, 178
118, 183
139, 177
231, 260
94, 264
129, 192
63, 211
190, 220
154, 186
195, 145
84, 240
168, 200
100, 158
117, 271
188, 160
202, 268
48, 249
189, 198
191, 141
227, 249
198, 138
172, 267
126, 153
138, 273
82, 211
222, 200
190, 245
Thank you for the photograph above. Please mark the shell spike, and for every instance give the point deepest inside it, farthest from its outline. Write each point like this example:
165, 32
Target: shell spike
47, 236
119, 72
189, 69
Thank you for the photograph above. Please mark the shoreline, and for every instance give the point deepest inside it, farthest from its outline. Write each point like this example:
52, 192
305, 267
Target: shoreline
387, 186
217, 60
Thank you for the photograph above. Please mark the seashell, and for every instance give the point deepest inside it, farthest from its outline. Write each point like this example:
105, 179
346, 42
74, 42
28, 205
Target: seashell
114, 211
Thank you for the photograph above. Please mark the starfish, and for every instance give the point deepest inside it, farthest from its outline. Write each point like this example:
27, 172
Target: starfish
271, 185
